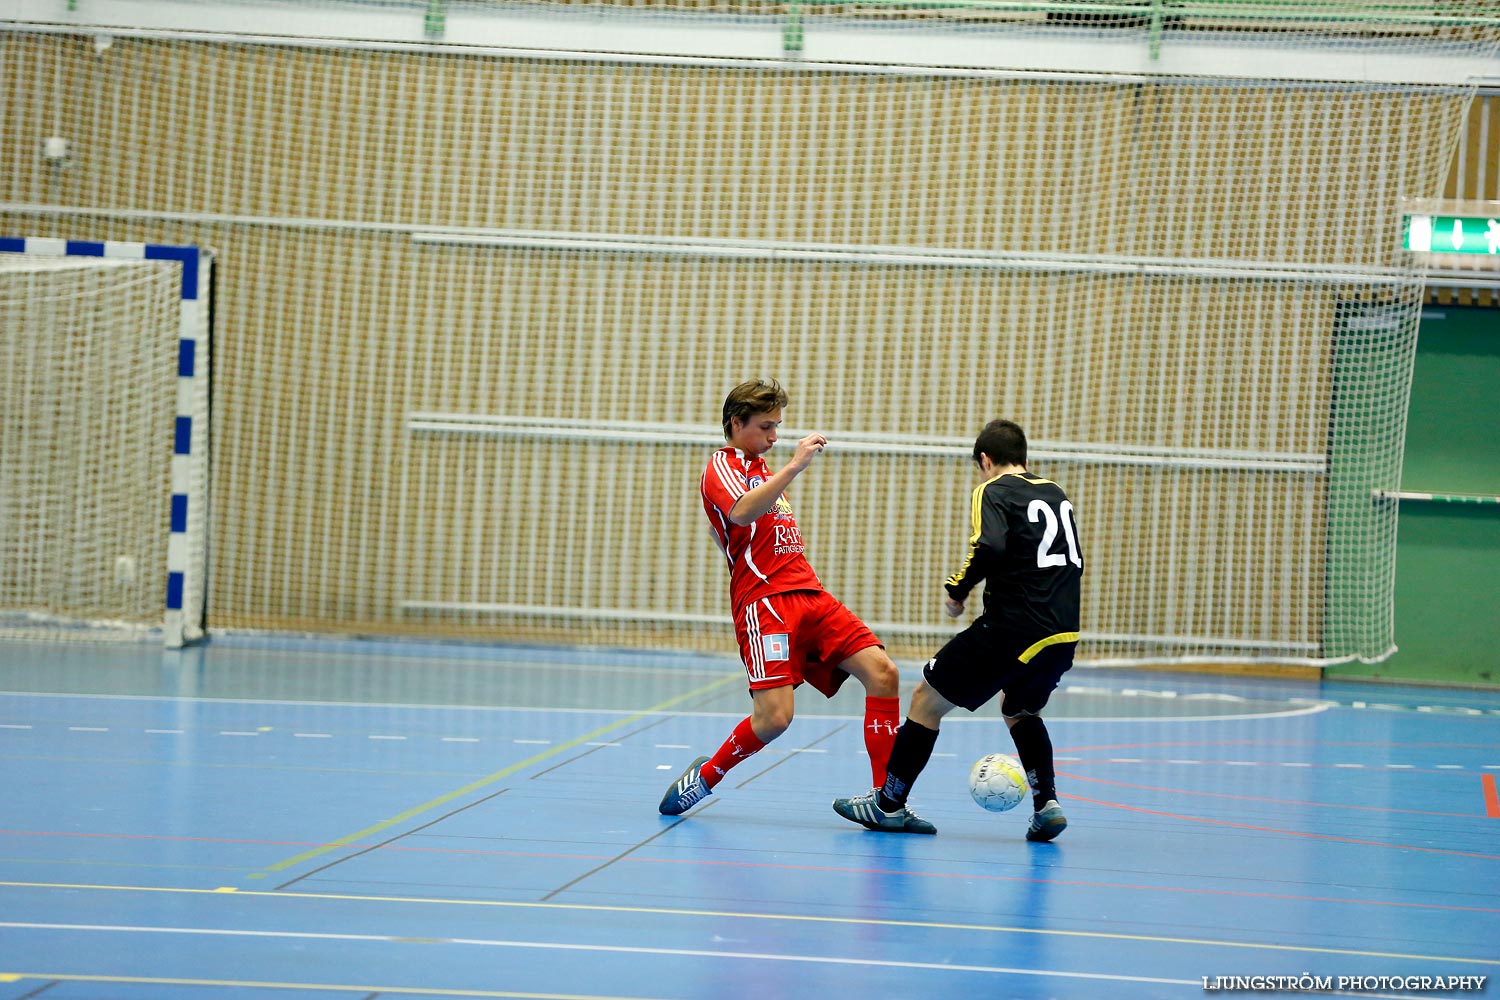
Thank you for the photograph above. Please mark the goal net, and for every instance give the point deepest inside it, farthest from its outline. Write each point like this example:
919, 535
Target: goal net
97, 481
1227, 439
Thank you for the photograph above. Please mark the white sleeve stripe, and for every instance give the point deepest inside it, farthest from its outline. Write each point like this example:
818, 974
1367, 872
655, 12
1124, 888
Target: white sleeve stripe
727, 476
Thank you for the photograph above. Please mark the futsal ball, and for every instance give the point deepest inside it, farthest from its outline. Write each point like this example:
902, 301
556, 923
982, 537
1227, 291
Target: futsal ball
997, 782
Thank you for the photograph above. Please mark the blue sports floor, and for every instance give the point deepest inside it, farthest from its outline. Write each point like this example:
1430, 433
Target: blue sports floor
261, 819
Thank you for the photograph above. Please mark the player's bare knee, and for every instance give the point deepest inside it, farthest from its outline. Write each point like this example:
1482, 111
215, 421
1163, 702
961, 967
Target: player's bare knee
769, 725
927, 706
885, 680
874, 668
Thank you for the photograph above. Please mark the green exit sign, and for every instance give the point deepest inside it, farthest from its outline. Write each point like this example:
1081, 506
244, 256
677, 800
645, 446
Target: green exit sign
1453, 234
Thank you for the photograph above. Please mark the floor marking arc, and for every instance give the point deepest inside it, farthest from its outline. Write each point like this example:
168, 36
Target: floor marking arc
787, 917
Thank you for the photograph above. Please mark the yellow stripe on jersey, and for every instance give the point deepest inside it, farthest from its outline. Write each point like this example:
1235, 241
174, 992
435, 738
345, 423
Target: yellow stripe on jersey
976, 521
1041, 644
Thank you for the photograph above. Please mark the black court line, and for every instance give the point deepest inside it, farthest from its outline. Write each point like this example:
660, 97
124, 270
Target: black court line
594, 750
486, 798
790, 754
681, 819
391, 840
623, 854
39, 990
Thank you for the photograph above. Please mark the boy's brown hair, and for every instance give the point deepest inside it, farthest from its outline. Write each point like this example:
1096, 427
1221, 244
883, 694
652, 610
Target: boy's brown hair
749, 398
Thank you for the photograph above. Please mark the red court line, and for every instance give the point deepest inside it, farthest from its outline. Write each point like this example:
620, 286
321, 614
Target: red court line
1256, 798
1288, 833
1491, 796
1163, 744
1363, 769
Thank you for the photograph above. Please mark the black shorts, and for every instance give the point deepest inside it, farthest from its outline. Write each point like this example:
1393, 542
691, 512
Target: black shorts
985, 659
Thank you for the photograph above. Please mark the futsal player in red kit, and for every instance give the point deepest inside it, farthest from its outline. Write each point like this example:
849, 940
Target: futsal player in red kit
790, 629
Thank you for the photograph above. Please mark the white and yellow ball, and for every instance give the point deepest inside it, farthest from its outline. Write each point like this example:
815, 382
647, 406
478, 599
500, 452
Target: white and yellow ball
997, 782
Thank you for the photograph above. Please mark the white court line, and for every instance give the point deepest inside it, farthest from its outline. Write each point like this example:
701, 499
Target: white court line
12, 725
166, 732
966, 720
617, 949
460, 739
88, 729
362, 705
313, 736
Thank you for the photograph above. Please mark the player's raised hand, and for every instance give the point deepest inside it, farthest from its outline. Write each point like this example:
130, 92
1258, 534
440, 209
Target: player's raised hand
808, 449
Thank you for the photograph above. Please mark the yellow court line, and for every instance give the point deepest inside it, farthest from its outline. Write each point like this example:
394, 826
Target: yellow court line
11, 977
790, 917
386, 824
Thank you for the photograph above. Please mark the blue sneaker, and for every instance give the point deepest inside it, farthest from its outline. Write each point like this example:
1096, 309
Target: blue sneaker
687, 791
865, 810
1047, 822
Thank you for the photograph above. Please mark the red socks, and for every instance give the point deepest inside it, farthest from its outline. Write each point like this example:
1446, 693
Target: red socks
882, 719
742, 743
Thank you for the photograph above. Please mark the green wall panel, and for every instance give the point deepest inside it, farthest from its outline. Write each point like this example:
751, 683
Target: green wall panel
1448, 554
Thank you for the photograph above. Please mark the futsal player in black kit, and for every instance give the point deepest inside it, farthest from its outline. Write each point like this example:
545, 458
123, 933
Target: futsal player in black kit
1025, 547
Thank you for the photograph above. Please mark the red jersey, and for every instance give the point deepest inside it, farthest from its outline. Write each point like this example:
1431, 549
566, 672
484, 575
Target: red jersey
765, 557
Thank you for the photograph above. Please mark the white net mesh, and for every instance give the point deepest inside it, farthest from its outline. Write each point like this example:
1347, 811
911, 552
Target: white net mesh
469, 301
88, 393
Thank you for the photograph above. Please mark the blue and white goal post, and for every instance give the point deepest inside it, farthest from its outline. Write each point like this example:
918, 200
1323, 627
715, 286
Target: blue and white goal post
176, 586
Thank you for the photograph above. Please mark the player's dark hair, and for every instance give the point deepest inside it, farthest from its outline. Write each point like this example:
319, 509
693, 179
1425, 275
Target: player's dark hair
748, 398
1003, 441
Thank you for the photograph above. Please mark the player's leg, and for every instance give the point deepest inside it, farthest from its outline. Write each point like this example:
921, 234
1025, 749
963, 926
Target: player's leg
770, 716
1034, 747
948, 680
873, 668
1021, 710
914, 744
768, 660
884, 807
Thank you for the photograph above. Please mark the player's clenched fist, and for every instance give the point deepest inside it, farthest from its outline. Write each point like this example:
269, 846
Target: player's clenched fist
808, 449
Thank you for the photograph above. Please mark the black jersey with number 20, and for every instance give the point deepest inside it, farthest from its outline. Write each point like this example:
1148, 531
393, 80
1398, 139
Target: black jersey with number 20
1025, 546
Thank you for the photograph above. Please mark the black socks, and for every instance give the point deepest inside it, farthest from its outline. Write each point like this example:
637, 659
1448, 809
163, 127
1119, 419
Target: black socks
1034, 747
914, 743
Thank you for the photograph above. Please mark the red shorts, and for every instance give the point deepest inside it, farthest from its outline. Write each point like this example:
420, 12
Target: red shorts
802, 635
